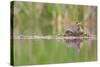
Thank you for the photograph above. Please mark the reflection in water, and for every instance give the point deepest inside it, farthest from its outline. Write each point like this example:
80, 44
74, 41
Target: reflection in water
54, 51
76, 44
73, 43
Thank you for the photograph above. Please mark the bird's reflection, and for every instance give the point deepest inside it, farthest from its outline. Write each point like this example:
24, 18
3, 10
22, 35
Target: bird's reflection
73, 43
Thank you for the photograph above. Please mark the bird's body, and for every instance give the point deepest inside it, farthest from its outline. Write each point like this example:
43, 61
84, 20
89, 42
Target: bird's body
74, 31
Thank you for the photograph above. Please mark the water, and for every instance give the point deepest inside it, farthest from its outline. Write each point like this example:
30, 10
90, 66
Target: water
47, 51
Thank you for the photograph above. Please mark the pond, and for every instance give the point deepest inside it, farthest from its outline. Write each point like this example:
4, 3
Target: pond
48, 51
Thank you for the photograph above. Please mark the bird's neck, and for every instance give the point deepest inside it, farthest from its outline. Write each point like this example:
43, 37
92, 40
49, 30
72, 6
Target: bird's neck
78, 28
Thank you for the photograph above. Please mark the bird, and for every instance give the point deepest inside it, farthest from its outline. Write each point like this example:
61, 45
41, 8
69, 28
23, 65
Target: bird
74, 31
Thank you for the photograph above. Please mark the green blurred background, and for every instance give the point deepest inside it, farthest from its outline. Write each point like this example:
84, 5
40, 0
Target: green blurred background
52, 19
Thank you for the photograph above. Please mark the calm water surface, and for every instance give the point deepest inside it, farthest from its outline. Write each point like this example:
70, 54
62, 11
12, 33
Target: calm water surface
47, 51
